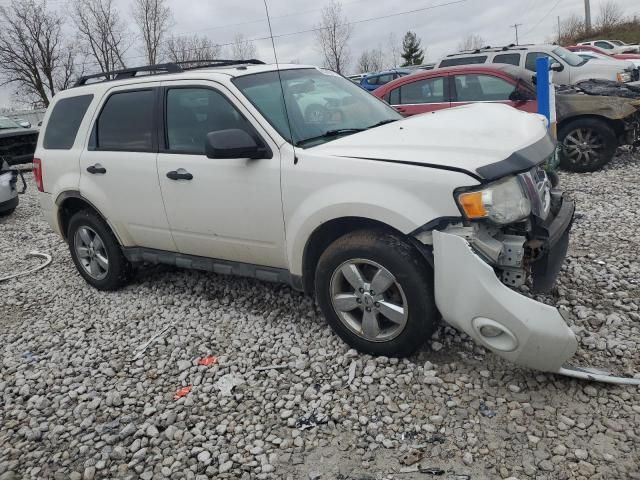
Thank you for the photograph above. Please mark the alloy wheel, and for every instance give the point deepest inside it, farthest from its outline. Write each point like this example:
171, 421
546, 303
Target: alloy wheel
583, 146
91, 252
368, 300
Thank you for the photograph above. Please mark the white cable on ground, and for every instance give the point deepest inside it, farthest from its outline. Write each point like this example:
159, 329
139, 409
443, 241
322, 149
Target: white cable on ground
45, 256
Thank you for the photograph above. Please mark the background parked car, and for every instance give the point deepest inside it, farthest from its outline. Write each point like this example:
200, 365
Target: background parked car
375, 80
17, 143
630, 57
613, 46
569, 67
589, 126
8, 189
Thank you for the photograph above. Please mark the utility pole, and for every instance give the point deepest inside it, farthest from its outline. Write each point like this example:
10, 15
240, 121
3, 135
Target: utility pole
516, 25
587, 15
559, 34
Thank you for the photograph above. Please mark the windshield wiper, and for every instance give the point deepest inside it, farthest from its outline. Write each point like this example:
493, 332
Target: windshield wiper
383, 122
330, 134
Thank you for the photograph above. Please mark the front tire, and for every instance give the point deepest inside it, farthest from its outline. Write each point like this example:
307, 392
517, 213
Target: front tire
96, 252
587, 145
376, 292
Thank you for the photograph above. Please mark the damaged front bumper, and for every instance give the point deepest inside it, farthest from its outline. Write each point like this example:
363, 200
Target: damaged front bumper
470, 297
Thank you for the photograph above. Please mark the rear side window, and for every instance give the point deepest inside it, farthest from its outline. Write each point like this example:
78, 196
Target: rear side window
508, 58
64, 121
482, 88
452, 62
126, 122
430, 90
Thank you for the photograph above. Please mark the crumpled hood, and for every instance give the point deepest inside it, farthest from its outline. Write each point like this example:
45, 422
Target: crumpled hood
465, 138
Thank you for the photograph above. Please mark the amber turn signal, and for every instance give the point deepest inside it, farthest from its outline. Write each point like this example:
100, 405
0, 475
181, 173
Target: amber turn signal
472, 205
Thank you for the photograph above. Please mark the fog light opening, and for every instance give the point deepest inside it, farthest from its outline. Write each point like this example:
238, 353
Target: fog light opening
495, 335
490, 331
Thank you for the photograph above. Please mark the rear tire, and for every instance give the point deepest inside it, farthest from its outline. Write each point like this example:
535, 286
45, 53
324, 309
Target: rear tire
588, 144
96, 252
402, 315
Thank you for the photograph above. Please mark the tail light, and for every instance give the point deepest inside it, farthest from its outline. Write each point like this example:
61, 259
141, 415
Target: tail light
37, 173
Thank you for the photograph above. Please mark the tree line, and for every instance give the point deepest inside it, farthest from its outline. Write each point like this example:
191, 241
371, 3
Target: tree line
610, 18
38, 58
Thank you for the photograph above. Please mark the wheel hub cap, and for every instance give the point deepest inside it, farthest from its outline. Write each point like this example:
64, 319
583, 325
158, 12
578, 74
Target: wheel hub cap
91, 253
368, 300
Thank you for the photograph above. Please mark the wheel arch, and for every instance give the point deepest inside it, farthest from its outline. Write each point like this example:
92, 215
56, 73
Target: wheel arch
328, 232
69, 203
616, 124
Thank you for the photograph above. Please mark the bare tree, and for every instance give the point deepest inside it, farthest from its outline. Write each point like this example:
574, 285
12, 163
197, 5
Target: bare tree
571, 29
471, 42
371, 61
154, 19
610, 15
333, 35
101, 32
191, 49
242, 48
395, 49
33, 55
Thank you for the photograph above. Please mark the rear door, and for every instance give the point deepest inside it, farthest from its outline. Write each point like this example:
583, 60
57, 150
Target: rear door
228, 209
118, 169
421, 95
486, 88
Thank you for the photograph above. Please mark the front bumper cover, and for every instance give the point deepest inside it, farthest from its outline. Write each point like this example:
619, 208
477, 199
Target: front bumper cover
470, 297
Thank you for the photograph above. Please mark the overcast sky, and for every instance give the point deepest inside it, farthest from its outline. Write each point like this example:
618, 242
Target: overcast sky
441, 28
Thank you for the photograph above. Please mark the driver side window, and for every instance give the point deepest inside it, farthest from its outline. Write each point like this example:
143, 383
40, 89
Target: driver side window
192, 113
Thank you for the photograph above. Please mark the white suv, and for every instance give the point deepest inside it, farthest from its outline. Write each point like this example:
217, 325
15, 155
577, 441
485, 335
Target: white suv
389, 222
569, 68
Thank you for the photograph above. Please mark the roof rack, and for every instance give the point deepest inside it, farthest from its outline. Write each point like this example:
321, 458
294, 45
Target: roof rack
512, 46
174, 67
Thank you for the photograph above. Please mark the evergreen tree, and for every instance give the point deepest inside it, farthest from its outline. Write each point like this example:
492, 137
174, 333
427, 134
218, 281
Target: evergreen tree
412, 52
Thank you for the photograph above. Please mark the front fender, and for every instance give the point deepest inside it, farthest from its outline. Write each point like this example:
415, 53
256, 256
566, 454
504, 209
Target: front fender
398, 208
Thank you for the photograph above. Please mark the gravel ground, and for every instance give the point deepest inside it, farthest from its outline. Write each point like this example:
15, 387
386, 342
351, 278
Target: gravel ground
77, 403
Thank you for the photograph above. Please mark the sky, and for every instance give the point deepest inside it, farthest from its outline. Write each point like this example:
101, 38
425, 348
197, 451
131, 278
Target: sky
440, 24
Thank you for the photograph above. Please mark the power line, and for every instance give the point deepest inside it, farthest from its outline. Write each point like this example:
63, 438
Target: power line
317, 29
543, 18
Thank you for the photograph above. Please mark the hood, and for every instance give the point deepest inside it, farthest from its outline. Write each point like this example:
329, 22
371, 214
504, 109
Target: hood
608, 65
484, 140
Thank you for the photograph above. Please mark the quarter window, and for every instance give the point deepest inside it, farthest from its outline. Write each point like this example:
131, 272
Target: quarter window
508, 58
126, 122
482, 88
430, 90
64, 122
192, 113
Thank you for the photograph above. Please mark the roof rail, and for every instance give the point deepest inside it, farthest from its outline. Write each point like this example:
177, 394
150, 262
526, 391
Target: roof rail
174, 67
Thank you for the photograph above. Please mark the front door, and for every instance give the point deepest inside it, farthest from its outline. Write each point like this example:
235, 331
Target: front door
118, 169
481, 87
229, 209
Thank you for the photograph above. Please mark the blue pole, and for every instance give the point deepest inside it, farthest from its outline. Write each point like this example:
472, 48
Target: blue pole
543, 73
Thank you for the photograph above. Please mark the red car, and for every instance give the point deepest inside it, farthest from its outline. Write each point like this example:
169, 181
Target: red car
617, 56
450, 87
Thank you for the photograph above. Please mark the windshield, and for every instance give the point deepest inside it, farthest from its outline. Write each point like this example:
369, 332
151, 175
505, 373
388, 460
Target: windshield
571, 58
321, 105
6, 123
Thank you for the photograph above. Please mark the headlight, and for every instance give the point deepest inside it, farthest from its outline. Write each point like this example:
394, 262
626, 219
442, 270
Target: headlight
501, 202
624, 77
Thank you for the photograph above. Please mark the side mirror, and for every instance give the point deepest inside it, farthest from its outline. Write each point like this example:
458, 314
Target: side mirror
517, 96
234, 143
557, 67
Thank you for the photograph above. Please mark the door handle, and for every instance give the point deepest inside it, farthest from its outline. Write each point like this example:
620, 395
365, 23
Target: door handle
180, 174
97, 168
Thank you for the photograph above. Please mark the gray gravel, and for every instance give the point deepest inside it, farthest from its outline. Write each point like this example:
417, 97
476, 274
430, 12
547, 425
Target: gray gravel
74, 403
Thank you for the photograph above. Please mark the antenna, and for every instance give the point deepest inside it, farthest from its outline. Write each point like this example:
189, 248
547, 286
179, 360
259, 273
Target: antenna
284, 101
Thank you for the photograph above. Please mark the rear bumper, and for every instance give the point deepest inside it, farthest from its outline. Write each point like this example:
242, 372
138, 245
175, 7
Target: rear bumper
48, 211
470, 297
